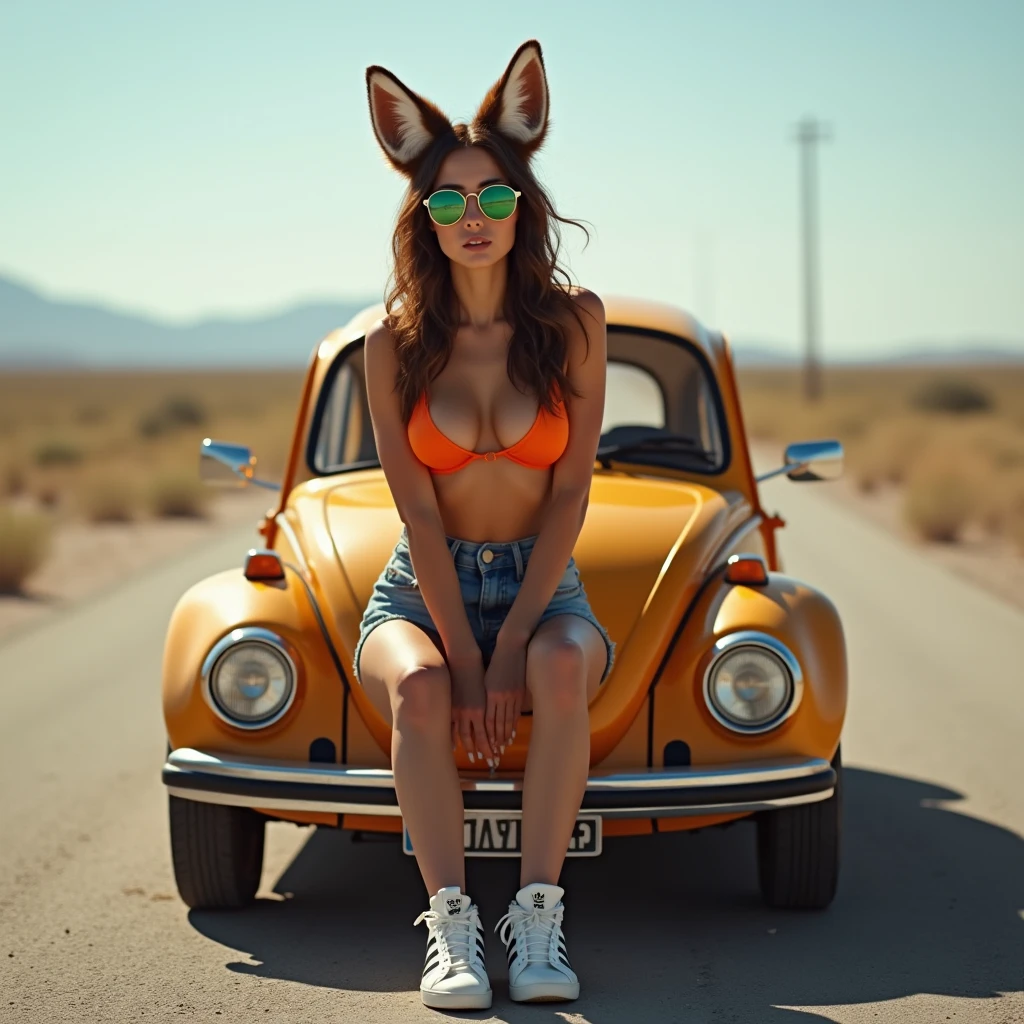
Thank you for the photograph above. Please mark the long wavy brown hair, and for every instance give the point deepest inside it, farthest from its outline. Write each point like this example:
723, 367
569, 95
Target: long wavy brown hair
422, 313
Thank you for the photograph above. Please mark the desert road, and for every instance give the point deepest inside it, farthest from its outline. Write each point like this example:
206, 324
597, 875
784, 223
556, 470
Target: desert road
927, 925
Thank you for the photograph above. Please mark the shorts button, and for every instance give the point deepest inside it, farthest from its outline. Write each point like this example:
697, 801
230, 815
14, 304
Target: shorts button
487, 555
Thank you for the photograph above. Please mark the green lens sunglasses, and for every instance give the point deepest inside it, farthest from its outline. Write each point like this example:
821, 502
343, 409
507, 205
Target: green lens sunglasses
496, 202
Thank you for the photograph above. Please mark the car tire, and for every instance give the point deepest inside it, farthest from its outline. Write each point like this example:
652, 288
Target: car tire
217, 853
798, 851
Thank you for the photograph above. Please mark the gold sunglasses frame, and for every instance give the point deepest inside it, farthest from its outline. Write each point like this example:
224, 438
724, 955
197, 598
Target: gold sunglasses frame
466, 198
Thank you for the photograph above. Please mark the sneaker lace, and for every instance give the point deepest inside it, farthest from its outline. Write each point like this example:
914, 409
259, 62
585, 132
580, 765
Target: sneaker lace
540, 929
457, 935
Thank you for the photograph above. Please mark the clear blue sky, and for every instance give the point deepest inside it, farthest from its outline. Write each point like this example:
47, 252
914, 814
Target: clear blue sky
211, 156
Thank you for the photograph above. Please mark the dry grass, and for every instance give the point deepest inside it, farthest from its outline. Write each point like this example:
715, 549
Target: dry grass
114, 447
109, 497
59, 452
66, 438
940, 498
13, 480
885, 457
24, 543
178, 494
1002, 499
953, 437
1015, 531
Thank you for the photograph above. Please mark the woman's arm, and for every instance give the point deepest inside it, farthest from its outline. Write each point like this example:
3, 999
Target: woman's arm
563, 519
416, 501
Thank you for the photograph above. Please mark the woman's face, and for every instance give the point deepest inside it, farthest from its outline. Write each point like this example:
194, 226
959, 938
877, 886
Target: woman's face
475, 240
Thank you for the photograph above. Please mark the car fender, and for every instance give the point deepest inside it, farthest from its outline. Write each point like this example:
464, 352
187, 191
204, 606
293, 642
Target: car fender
794, 613
209, 611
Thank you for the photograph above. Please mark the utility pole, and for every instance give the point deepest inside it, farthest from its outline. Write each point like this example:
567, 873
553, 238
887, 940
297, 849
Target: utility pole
809, 132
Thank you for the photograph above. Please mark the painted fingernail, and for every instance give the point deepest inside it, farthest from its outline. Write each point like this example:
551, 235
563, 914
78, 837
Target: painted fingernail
491, 762
471, 757
502, 748
513, 734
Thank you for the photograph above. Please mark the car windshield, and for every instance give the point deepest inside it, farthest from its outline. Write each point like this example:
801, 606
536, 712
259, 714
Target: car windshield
662, 408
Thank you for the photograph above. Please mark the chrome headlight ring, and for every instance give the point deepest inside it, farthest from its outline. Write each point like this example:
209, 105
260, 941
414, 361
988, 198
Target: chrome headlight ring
250, 636
727, 645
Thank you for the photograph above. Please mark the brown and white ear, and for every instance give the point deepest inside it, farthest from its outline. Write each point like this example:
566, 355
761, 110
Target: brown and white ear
517, 105
405, 123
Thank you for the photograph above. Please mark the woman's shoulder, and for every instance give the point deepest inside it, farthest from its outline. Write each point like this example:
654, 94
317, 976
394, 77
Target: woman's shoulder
585, 320
379, 355
379, 335
586, 299
582, 298
379, 346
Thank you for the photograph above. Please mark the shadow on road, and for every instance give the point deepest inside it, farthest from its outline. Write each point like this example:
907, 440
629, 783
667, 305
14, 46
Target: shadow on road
671, 927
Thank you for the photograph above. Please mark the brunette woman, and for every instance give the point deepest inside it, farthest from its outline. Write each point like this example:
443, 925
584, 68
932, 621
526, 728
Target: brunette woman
486, 388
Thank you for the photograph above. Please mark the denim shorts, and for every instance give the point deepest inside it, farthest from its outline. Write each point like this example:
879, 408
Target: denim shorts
489, 576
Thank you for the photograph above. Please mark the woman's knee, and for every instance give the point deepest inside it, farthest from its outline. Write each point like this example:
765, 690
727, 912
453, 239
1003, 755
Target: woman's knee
421, 699
556, 669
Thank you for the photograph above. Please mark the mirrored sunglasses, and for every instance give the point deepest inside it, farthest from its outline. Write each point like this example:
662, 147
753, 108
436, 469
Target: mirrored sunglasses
496, 202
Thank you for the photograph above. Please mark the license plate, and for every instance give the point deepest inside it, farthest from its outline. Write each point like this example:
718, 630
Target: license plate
499, 835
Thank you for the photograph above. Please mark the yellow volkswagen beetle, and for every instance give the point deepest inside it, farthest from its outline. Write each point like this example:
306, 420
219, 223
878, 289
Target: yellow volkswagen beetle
728, 694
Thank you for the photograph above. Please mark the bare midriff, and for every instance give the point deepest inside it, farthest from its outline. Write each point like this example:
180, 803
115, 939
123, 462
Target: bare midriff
493, 501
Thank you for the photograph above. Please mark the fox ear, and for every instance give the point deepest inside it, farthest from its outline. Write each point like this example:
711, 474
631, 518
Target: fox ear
405, 124
517, 105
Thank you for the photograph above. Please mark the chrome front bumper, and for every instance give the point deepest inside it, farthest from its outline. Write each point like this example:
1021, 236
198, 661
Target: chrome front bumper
641, 793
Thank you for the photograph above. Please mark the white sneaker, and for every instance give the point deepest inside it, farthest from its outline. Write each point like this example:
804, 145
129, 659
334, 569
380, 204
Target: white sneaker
454, 975
538, 967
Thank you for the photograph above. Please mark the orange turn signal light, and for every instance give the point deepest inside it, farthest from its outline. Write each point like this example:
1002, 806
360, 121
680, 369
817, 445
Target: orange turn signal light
748, 569
263, 565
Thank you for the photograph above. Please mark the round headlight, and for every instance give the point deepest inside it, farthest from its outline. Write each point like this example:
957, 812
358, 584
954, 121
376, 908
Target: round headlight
250, 678
751, 684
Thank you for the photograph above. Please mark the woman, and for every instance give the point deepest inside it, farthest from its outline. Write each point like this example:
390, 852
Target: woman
486, 390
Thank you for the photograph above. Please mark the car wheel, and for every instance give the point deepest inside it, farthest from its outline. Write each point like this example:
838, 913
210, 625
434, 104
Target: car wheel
217, 853
798, 851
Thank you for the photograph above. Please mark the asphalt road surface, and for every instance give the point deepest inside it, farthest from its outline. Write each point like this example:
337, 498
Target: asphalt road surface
928, 923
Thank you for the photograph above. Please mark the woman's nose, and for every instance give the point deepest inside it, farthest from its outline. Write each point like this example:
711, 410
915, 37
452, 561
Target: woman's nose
473, 218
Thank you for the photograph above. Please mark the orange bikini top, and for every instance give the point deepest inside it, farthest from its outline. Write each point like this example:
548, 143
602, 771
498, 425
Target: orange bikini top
539, 448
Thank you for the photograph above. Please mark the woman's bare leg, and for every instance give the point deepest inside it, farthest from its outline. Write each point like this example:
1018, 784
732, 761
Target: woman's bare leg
564, 663
405, 676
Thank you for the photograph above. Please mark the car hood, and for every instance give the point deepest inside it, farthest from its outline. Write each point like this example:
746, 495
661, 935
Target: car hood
646, 545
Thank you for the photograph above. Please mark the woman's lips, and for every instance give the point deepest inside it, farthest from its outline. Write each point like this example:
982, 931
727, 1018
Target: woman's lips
476, 243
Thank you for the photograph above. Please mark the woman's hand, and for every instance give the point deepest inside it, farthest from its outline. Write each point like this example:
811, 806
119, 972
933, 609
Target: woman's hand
505, 683
469, 701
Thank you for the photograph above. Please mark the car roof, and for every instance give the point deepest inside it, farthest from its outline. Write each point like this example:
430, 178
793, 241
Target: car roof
621, 311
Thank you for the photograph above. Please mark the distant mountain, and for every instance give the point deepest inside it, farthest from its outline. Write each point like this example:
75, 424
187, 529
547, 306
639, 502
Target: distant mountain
973, 353
961, 353
39, 332
753, 354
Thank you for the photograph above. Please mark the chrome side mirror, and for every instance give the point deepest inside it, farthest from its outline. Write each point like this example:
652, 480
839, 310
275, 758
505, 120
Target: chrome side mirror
814, 460
233, 465
810, 460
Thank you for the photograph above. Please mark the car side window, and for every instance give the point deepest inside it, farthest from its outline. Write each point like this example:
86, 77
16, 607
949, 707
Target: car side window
707, 420
345, 435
